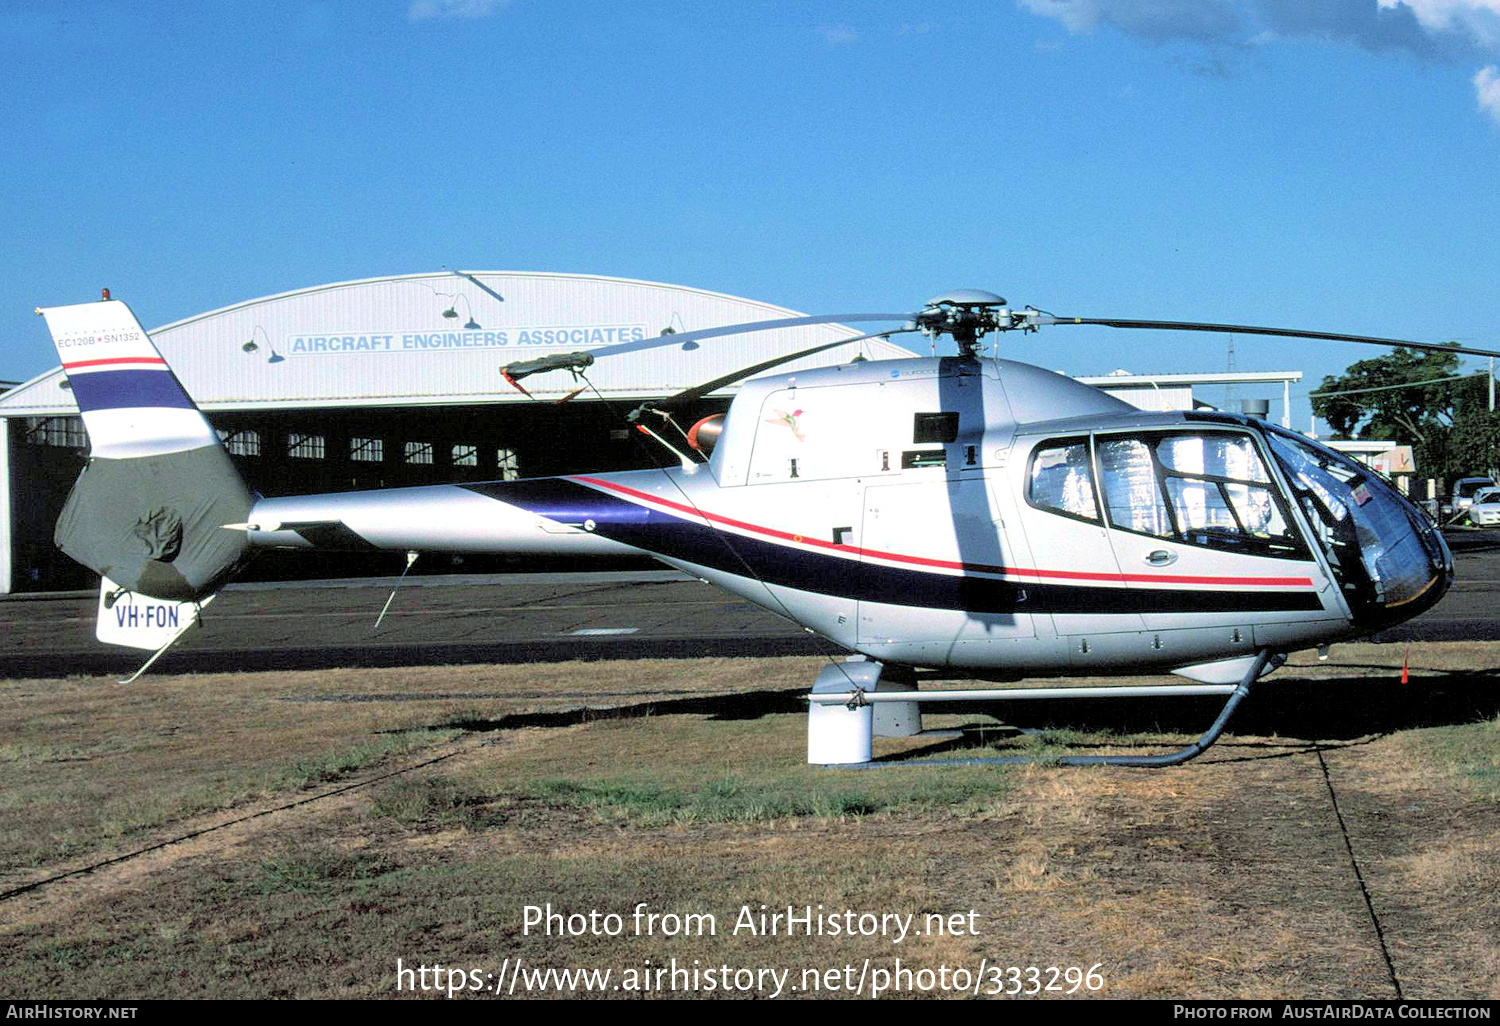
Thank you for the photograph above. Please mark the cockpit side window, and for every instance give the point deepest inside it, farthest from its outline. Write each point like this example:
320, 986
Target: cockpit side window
1132, 488
1062, 479
1204, 489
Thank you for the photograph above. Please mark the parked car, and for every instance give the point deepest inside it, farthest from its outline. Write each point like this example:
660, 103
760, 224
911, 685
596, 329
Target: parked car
1465, 488
1484, 511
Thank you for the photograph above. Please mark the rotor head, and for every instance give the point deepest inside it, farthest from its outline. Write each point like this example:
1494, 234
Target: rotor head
966, 314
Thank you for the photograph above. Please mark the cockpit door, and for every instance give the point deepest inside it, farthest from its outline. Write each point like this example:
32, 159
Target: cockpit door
1073, 573
1203, 533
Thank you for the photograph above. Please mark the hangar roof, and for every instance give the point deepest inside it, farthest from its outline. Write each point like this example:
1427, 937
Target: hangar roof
440, 338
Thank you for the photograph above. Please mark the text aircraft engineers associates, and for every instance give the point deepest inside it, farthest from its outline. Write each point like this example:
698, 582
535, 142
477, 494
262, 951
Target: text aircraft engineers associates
943, 517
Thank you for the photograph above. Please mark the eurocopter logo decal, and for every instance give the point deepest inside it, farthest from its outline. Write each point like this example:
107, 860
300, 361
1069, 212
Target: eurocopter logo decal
789, 420
362, 342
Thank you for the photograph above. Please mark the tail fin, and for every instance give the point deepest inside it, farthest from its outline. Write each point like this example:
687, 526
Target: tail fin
149, 508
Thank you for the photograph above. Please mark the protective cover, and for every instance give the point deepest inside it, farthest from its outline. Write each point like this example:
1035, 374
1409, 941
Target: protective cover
154, 524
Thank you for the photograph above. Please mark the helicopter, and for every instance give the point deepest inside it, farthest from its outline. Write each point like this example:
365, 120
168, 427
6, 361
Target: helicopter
959, 516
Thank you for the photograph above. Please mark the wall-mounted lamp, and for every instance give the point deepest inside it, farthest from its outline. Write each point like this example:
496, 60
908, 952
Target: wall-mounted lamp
254, 347
452, 312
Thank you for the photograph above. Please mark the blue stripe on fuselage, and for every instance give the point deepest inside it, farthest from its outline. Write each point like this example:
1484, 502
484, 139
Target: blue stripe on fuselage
564, 501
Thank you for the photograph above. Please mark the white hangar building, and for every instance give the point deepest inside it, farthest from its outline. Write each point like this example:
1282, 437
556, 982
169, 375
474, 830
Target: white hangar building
395, 381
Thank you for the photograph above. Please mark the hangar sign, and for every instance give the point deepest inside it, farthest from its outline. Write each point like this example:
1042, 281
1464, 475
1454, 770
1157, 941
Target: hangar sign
362, 342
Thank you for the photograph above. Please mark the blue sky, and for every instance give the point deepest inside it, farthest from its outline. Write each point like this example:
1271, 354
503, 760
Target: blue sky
1326, 164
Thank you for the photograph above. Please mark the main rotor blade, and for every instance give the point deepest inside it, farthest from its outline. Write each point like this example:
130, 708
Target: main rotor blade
1247, 329
682, 337
699, 391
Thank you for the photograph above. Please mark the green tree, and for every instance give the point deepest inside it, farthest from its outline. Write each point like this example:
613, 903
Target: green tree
1474, 447
1447, 423
1361, 403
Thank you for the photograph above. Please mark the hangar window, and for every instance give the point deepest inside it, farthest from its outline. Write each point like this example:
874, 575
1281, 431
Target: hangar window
419, 452
64, 432
240, 443
508, 463
367, 450
466, 455
307, 447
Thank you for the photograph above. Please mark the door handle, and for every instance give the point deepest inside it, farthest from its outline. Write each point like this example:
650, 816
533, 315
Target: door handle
1161, 557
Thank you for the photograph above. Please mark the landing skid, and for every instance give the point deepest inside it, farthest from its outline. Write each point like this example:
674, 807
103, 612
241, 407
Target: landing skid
852, 702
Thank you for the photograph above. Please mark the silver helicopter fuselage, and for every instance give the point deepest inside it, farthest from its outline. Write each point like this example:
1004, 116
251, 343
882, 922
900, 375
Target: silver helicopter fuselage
976, 514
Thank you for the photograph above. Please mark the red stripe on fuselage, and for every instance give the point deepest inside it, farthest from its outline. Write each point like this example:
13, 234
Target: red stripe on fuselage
854, 550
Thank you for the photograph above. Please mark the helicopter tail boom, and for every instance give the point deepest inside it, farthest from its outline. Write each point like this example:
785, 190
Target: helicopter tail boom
496, 518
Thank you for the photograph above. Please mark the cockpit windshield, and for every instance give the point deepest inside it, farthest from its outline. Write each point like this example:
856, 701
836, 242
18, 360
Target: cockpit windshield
1383, 552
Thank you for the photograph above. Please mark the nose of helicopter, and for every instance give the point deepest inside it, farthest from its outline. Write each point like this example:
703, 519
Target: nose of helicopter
1408, 566
1390, 561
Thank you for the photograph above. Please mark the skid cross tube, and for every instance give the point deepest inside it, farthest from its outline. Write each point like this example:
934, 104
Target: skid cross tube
1176, 758
858, 698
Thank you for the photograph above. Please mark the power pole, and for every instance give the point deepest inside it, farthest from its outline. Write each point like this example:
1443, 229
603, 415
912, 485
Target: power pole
1229, 370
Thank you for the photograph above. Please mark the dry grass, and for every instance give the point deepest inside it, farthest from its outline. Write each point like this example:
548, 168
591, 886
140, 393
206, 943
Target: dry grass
1225, 878
111, 765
